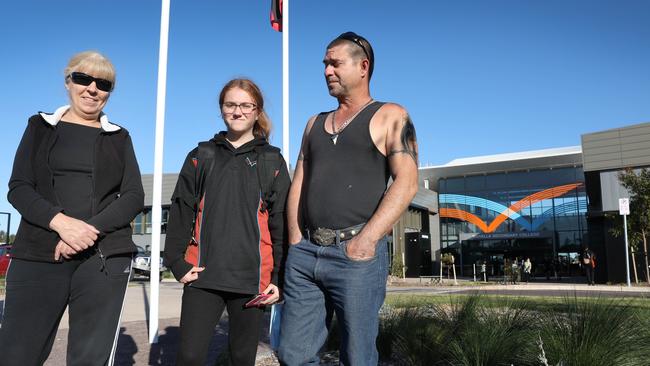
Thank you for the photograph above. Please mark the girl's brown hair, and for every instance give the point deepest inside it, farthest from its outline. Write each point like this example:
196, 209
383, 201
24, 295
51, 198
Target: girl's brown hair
262, 126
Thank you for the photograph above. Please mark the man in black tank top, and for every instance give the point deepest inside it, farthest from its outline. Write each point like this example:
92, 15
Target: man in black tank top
339, 211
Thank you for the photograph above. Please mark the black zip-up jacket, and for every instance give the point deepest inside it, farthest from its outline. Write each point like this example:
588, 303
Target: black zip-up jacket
117, 189
241, 247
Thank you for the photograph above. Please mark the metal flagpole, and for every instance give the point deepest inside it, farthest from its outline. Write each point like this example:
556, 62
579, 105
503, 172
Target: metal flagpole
156, 211
285, 81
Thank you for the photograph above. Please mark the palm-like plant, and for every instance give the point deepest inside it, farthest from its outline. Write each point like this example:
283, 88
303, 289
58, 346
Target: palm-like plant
467, 331
595, 332
500, 334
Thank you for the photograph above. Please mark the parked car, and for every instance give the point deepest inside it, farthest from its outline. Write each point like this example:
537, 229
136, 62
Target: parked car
5, 258
142, 264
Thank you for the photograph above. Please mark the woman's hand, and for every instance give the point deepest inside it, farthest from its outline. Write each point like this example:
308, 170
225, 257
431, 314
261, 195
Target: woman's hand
75, 233
274, 291
192, 275
63, 250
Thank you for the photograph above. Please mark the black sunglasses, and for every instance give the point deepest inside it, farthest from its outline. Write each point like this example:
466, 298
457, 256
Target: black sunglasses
85, 80
351, 36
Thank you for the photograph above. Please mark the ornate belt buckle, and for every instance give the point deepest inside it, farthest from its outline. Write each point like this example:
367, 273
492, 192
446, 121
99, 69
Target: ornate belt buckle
324, 236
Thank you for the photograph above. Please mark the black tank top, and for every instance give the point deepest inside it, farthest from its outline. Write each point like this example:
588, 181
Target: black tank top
344, 181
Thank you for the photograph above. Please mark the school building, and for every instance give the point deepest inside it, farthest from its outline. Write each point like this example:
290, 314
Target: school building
546, 205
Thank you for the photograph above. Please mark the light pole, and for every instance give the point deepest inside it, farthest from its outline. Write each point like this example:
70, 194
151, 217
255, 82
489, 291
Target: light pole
8, 224
624, 209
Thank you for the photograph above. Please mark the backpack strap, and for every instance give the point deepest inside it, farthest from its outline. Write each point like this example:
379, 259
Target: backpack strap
205, 157
205, 161
269, 162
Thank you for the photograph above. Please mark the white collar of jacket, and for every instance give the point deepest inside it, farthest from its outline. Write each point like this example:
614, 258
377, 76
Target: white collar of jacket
55, 117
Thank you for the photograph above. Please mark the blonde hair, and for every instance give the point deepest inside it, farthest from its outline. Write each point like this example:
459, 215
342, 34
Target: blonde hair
262, 126
91, 62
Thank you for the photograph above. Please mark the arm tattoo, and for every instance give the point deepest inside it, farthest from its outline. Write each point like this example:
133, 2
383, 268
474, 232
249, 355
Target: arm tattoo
408, 140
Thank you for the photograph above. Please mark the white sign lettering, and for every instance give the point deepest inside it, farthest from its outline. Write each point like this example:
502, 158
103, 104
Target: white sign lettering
624, 206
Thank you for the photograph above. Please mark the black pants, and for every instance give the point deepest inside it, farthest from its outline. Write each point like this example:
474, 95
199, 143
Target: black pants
200, 314
37, 294
590, 273
484, 277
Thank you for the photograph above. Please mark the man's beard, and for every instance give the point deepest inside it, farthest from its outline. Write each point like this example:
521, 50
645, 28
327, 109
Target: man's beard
337, 90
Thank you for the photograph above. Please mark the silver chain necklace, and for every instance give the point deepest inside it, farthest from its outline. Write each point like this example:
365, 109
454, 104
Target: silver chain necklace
335, 134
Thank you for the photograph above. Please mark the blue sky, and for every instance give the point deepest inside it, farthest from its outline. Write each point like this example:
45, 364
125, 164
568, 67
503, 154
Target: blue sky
478, 77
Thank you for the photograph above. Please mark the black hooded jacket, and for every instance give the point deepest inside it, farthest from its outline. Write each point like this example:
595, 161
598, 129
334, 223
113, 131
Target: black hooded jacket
241, 247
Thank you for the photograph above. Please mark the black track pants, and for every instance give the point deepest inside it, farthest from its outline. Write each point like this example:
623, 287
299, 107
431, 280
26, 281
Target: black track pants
37, 294
200, 314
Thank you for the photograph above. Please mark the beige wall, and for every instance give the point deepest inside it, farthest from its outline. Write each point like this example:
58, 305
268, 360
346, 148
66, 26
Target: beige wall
617, 148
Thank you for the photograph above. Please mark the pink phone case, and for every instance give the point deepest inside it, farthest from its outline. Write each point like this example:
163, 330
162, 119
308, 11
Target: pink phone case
257, 300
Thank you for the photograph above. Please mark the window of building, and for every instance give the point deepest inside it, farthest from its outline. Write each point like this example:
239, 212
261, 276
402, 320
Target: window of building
137, 224
475, 183
496, 181
147, 222
455, 185
164, 219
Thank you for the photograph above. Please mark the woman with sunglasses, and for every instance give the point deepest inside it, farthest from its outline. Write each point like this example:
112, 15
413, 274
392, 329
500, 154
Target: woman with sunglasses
77, 186
229, 203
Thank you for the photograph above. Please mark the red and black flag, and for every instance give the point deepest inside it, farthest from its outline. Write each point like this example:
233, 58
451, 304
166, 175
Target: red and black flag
276, 15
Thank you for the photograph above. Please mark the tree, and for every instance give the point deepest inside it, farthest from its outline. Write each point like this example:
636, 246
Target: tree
6, 240
397, 268
638, 184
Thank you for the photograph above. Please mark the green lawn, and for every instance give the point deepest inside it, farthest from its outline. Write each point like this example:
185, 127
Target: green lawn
539, 303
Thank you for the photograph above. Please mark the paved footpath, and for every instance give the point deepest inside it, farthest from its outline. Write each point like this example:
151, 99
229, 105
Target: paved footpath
134, 348
416, 286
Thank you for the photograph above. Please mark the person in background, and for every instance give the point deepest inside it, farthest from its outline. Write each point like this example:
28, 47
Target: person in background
484, 275
514, 271
528, 268
76, 184
589, 264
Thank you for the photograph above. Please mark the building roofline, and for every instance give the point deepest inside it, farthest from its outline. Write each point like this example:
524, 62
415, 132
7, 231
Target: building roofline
523, 155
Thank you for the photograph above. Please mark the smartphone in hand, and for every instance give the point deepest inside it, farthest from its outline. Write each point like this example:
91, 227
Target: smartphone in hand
256, 301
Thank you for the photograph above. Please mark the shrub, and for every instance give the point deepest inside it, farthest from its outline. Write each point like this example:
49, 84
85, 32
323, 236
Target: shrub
397, 267
464, 332
411, 336
595, 332
490, 335
481, 331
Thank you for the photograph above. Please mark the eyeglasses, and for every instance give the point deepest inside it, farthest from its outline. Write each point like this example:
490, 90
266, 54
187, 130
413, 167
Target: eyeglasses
85, 80
245, 108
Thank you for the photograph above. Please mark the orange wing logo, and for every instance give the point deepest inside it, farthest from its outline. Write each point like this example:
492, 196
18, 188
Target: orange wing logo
510, 211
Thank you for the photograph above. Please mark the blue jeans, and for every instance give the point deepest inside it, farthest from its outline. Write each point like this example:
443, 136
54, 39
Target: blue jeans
320, 279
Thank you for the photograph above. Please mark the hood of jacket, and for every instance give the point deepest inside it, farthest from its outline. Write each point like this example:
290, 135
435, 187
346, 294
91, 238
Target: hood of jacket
54, 118
220, 140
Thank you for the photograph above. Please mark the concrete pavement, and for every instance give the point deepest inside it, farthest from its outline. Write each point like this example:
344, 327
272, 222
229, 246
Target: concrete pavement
133, 343
534, 288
